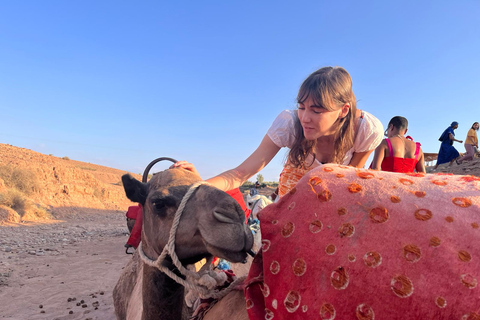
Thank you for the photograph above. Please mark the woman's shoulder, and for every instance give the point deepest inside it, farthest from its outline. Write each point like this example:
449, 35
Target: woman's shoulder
281, 130
369, 132
368, 122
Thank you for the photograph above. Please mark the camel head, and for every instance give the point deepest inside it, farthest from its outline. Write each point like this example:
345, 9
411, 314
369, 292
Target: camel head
212, 222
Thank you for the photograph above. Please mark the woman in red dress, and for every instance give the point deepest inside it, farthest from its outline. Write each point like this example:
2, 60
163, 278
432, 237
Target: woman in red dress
397, 153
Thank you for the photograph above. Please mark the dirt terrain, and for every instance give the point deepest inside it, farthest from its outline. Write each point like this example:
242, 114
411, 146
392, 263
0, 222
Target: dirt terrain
64, 265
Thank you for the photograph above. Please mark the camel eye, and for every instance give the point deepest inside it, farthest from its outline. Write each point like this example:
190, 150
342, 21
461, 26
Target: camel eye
161, 204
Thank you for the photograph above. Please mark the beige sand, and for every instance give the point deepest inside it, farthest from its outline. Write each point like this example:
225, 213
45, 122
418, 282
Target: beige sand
44, 265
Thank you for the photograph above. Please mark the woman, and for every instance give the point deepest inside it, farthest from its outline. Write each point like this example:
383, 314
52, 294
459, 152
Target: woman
326, 128
447, 152
397, 153
470, 143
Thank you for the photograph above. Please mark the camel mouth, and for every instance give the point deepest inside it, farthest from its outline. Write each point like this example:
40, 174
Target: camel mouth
232, 256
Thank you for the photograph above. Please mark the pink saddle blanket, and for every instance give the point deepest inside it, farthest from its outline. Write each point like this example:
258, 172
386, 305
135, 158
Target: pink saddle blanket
357, 244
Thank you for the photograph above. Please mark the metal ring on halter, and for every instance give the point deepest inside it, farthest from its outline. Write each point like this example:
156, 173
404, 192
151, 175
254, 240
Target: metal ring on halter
151, 164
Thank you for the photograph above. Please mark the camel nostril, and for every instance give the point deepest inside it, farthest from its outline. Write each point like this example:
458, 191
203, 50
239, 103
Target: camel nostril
222, 217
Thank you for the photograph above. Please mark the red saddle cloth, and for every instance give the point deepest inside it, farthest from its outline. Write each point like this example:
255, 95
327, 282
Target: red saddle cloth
356, 244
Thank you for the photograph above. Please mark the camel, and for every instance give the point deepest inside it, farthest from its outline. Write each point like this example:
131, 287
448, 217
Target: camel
210, 223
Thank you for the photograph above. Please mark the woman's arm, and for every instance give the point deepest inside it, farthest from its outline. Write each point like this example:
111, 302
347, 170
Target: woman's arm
420, 166
453, 138
359, 159
234, 178
378, 157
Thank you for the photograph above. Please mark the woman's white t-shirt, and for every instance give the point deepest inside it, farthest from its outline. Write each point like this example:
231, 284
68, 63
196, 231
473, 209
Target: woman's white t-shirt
368, 135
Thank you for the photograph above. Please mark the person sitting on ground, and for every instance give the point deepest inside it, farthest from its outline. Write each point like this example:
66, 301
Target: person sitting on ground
325, 128
470, 143
447, 152
397, 153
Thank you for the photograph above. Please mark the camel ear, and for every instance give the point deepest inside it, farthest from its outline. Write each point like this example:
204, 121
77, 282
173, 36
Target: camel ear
134, 189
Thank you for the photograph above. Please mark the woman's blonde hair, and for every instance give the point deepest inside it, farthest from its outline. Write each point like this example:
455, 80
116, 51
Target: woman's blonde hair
331, 88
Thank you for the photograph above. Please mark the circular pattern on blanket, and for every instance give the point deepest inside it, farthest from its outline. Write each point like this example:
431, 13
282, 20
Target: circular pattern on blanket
268, 314
265, 289
299, 267
288, 229
249, 304
435, 241
402, 286
462, 202
449, 219
274, 267
471, 316
315, 226
339, 278
468, 281
439, 182
346, 230
406, 182
365, 175
292, 192
441, 302
411, 253
475, 225
330, 249
352, 258
354, 187
304, 308
364, 312
372, 259
291, 206
266, 245
464, 256
379, 215
423, 214
324, 195
292, 301
274, 304
342, 211
420, 194
340, 175
395, 199
314, 181
327, 169
327, 312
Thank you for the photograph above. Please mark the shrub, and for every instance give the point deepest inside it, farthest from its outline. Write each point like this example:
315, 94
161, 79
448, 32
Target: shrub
21, 179
15, 200
66, 158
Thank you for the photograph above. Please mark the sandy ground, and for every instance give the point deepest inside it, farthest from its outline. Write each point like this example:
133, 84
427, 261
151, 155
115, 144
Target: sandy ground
62, 269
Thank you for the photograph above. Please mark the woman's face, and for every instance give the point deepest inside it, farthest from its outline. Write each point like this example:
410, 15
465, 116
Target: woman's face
475, 126
317, 121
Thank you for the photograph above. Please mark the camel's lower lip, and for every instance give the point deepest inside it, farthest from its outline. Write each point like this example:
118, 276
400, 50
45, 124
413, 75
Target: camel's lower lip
232, 256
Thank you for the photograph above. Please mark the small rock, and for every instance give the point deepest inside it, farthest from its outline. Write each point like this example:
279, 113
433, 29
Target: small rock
40, 306
84, 305
70, 312
8, 249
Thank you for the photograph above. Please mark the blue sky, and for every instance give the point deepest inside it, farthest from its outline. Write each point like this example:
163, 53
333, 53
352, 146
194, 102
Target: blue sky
120, 83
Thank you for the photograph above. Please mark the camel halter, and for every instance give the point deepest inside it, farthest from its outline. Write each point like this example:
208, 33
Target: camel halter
204, 290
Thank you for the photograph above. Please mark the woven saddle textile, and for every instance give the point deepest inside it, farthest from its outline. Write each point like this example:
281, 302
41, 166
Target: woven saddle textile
357, 244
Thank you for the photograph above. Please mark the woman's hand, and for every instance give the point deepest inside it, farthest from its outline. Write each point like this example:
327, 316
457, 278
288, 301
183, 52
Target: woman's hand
184, 165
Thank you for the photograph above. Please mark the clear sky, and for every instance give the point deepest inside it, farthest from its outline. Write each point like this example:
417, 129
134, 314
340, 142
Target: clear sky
120, 83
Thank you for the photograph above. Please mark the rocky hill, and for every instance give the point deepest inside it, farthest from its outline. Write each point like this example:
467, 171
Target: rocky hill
59, 185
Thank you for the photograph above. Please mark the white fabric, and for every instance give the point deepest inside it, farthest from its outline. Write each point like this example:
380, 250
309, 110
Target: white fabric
368, 136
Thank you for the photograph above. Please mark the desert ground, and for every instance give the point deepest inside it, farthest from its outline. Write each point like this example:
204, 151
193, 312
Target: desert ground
63, 268
66, 265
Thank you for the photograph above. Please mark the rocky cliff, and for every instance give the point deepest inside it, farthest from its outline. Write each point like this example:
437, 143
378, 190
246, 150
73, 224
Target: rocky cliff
62, 184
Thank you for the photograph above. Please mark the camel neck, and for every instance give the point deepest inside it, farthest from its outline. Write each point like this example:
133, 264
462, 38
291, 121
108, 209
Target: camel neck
163, 298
